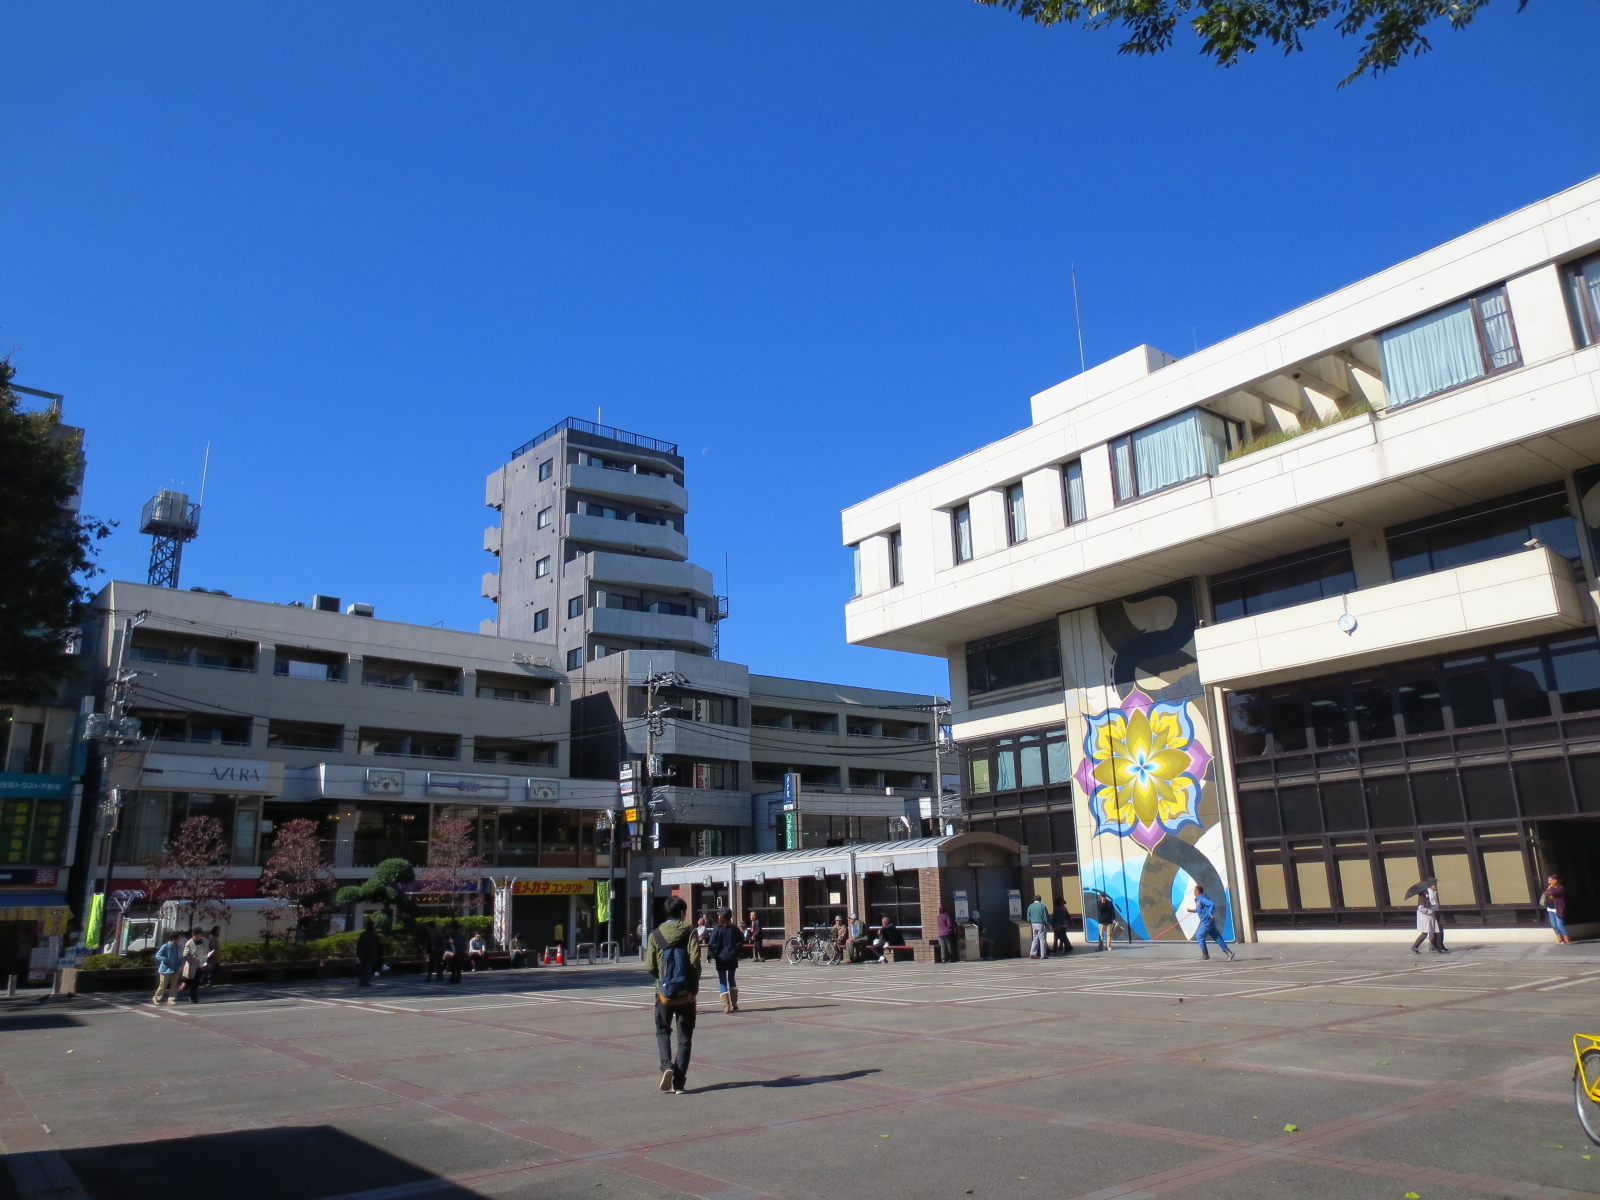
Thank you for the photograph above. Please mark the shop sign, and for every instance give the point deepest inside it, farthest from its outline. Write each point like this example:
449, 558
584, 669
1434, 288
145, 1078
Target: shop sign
962, 913
198, 773
486, 787
14, 783
384, 783
553, 887
29, 876
1014, 903
543, 790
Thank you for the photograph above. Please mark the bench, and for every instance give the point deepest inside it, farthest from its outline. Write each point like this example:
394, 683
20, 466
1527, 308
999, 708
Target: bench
888, 952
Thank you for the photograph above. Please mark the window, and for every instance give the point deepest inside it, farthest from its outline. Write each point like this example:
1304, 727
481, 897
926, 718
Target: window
1450, 346
217, 653
405, 743
575, 658
1583, 292
896, 559
1016, 515
592, 509
544, 468
1171, 452
1483, 531
423, 677
670, 608
575, 607
514, 751
526, 689
308, 664
1022, 656
172, 726
961, 533
1020, 760
855, 569
1077, 508
303, 735
542, 567
1283, 582
542, 521
541, 620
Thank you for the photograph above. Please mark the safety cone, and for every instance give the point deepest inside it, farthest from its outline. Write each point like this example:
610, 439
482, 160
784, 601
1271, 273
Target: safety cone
561, 956
546, 960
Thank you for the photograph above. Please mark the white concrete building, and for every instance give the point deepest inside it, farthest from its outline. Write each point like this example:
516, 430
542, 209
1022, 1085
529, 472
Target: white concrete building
1303, 616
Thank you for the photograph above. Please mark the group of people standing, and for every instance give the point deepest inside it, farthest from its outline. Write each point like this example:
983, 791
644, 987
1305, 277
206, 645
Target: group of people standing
185, 963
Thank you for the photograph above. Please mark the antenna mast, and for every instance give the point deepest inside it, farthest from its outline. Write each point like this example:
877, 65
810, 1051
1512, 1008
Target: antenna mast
1077, 309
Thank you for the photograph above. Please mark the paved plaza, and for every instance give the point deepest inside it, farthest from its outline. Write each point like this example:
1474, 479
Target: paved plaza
1341, 1072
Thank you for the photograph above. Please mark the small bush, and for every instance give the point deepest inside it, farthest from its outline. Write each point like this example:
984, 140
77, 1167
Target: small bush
107, 962
1278, 436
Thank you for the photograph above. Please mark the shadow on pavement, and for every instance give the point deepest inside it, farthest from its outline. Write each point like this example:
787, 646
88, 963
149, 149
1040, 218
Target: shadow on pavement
787, 1081
22, 1021
253, 1164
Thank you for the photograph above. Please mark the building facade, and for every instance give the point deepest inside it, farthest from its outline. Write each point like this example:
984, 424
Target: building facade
1302, 618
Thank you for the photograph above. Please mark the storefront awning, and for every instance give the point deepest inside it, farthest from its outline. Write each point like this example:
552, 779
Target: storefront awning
49, 907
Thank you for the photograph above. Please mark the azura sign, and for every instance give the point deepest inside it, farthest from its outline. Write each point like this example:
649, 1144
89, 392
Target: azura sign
495, 787
203, 773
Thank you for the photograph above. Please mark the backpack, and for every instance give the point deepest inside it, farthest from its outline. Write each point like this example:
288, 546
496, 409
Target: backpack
672, 983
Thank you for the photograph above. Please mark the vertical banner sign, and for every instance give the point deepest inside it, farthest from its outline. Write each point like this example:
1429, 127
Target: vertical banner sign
502, 914
791, 810
1014, 903
962, 914
97, 912
602, 901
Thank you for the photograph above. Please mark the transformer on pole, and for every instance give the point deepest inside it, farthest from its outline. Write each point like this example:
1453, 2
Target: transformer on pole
170, 520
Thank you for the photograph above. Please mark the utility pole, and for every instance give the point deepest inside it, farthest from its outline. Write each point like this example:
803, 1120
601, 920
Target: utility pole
940, 709
112, 730
655, 724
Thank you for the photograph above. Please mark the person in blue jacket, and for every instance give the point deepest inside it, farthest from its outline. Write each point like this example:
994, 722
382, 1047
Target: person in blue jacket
169, 961
1205, 908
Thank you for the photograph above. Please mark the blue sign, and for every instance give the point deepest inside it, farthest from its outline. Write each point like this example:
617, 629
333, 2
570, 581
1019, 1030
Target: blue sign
13, 783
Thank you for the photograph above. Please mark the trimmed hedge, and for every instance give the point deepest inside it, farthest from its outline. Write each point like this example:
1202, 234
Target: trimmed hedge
107, 962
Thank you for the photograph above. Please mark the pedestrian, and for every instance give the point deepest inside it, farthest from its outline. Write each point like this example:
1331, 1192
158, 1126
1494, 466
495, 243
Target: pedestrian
1554, 899
888, 936
724, 946
858, 938
208, 969
1039, 922
194, 962
672, 956
1429, 927
1061, 918
702, 933
369, 952
752, 937
519, 952
437, 945
947, 935
1205, 909
477, 951
1105, 918
169, 961
455, 951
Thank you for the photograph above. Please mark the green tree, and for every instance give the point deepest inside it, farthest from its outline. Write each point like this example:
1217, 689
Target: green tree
45, 547
1391, 29
384, 888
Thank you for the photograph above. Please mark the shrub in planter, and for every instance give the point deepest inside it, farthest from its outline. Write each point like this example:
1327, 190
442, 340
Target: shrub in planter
107, 962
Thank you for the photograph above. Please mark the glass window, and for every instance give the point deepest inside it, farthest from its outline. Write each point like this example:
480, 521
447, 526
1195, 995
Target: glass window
1448, 347
1247, 718
1355, 883
1312, 878
1271, 890
1330, 721
1471, 699
1171, 452
1577, 671
575, 658
1284, 582
1032, 764
575, 607
1374, 713
1016, 515
1077, 506
855, 570
541, 620
897, 570
1023, 656
961, 533
1288, 724
1524, 684
1421, 706
1484, 531
544, 468
1059, 761
980, 774
543, 519
1005, 770
1583, 293
542, 567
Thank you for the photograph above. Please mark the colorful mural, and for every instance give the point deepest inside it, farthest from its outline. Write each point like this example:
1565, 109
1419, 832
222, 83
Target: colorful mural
1151, 829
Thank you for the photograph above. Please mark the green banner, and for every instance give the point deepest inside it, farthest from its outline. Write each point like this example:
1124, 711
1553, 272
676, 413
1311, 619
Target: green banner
602, 901
791, 830
97, 912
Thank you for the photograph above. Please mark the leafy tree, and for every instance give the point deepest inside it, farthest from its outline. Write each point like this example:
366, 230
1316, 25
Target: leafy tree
453, 858
1391, 29
384, 888
44, 545
193, 870
296, 874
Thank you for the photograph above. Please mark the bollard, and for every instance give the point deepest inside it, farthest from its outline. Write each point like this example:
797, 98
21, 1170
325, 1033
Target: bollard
11, 985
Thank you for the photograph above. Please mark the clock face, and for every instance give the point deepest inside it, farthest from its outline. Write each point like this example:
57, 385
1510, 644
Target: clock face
1347, 623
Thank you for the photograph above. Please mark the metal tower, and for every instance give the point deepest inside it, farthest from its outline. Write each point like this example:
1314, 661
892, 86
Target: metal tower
170, 520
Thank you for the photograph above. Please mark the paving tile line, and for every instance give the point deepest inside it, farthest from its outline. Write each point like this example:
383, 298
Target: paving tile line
31, 1155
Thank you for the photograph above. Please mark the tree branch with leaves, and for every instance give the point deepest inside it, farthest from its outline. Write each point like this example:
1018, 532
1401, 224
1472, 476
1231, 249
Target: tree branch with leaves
453, 859
297, 873
193, 871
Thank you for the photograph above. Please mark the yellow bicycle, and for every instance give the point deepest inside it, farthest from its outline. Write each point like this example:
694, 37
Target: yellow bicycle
1586, 1083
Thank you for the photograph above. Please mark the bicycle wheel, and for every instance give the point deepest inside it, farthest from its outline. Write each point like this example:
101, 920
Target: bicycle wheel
1587, 1071
828, 955
795, 949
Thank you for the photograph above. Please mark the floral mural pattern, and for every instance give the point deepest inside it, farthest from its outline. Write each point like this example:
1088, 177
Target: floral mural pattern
1143, 769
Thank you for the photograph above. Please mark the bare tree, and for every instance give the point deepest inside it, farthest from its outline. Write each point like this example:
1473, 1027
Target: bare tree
296, 874
453, 858
193, 871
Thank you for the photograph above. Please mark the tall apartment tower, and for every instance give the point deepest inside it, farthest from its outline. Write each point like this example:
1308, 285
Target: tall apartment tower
592, 547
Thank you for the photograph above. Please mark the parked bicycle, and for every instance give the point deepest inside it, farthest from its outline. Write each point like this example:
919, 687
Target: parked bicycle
1586, 1083
811, 947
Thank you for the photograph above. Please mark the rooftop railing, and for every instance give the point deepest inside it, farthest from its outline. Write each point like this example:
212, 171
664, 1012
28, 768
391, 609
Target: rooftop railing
605, 431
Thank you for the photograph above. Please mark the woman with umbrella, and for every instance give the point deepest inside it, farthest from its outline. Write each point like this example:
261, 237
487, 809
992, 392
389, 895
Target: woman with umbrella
1428, 927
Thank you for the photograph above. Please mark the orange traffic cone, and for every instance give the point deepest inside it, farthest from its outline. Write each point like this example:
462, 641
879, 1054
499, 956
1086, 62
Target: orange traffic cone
561, 956
546, 960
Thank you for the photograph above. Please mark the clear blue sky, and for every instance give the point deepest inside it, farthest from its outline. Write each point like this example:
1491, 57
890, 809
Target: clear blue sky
366, 250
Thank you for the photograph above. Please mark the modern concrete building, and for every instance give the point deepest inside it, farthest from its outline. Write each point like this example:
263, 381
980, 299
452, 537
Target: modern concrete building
1302, 617
258, 713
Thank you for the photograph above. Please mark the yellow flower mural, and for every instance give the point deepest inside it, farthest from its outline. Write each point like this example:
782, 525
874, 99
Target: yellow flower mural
1143, 769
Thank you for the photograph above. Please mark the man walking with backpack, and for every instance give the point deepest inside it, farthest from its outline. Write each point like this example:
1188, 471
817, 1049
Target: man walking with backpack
672, 956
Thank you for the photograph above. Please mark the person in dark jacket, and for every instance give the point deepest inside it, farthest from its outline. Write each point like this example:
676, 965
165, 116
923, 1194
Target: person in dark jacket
1061, 918
456, 951
752, 937
723, 944
674, 933
1105, 915
1554, 899
369, 952
437, 945
947, 935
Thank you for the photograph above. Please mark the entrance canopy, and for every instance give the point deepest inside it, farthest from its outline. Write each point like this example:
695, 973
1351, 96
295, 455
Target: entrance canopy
956, 850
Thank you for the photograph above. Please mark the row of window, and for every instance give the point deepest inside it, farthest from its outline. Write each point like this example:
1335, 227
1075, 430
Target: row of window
233, 730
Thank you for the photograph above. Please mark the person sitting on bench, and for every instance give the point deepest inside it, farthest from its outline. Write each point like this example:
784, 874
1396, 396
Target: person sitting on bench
887, 937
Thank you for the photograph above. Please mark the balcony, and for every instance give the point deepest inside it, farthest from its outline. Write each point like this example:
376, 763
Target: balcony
653, 574
650, 627
629, 535
647, 491
1521, 595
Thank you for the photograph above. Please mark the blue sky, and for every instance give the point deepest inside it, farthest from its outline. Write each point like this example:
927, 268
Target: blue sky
366, 250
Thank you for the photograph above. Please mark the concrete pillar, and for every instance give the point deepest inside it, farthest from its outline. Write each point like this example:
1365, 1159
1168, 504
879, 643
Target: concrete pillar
988, 522
1539, 314
1369, 553
1098, 494
1045, 501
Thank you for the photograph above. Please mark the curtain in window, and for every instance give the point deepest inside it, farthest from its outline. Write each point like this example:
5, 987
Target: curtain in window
1122, 468
963, 530
1496, 316
1590, 282
1433, 353
1170, 451
1077, 508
